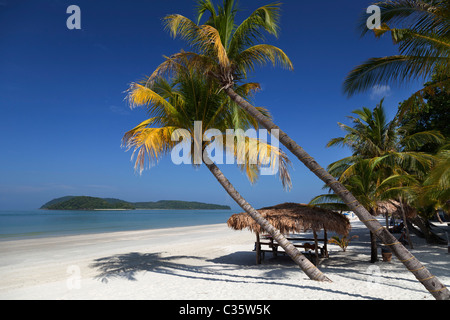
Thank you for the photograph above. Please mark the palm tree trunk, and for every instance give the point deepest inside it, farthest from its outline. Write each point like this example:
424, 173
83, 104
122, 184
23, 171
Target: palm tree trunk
373, 245
431, 283
308, 268
373, 248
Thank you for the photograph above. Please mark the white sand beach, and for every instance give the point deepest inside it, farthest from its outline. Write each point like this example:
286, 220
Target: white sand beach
200, 263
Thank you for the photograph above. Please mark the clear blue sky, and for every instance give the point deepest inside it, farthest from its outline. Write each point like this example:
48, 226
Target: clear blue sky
63, 114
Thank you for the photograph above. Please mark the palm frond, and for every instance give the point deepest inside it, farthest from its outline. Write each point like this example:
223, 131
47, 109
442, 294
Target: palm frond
417, 100
329, 201
148, 143
376, 71
413, 14
138, 95
419, 139
250, 152
260, 55
210, 38
202, 7
249, 32
180, 26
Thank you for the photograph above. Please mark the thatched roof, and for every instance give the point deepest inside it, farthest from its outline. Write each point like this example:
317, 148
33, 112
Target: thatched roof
293, 217
392, 207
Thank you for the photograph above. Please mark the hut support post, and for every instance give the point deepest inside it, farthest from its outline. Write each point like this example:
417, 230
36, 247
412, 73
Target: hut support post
325, 242
258, 249
406, 224
316, 243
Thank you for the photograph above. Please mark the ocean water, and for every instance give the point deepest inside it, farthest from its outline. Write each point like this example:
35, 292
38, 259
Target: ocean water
48, 223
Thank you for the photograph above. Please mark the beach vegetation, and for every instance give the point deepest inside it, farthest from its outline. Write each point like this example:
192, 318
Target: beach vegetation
94, 203
343, 241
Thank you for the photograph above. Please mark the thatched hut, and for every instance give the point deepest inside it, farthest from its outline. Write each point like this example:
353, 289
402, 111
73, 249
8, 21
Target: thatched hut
395, 208
294, 218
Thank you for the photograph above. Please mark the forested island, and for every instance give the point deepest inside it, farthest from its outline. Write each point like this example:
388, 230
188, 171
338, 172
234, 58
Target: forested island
93, 203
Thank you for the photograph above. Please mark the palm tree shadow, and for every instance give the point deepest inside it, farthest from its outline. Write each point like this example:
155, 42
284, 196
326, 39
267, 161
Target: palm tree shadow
126, 266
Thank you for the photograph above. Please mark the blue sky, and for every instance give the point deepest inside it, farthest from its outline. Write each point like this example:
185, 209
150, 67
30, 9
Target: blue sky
63, 114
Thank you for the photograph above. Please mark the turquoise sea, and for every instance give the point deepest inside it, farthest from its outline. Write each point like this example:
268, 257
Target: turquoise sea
49, 223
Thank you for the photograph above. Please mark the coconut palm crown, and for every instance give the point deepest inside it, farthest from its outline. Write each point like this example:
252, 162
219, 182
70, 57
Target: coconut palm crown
224, 50
176, 103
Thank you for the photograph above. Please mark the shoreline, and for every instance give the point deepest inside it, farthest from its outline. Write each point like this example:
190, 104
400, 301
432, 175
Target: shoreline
50, 223
208, 262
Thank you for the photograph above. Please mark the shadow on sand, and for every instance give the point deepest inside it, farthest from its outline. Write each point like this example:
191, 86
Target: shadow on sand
271, 272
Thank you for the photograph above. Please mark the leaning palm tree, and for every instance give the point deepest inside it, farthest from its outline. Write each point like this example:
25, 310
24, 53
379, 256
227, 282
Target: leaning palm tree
177, 107
421, 29
229, 57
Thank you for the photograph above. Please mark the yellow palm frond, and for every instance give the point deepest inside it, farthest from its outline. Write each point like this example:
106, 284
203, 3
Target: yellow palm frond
128, 135
210, 38
179, 25
182, 61
139, 95
248, 89
205, 38
252, 153
150, 143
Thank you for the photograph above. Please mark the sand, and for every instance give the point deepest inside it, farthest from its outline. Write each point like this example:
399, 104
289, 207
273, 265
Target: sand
200, 263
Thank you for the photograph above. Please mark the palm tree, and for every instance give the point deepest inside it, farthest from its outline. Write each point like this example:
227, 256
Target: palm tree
174, 107
211, 56
421, 29
366, 181
372, 137
437, 183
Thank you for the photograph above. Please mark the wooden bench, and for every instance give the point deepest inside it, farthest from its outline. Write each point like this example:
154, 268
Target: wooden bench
273, 247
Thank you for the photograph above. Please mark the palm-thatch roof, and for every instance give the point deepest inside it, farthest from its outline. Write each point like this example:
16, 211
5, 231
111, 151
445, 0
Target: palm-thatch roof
293, 217
392, 207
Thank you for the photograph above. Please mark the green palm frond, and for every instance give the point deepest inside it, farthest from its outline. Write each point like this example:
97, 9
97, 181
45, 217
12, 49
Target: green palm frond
249, 32
233, 50
202, 7
329, 201
419, 139
376, 71
260, 55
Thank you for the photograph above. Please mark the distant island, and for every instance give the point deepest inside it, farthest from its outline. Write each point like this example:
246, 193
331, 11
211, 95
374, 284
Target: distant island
93, 203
